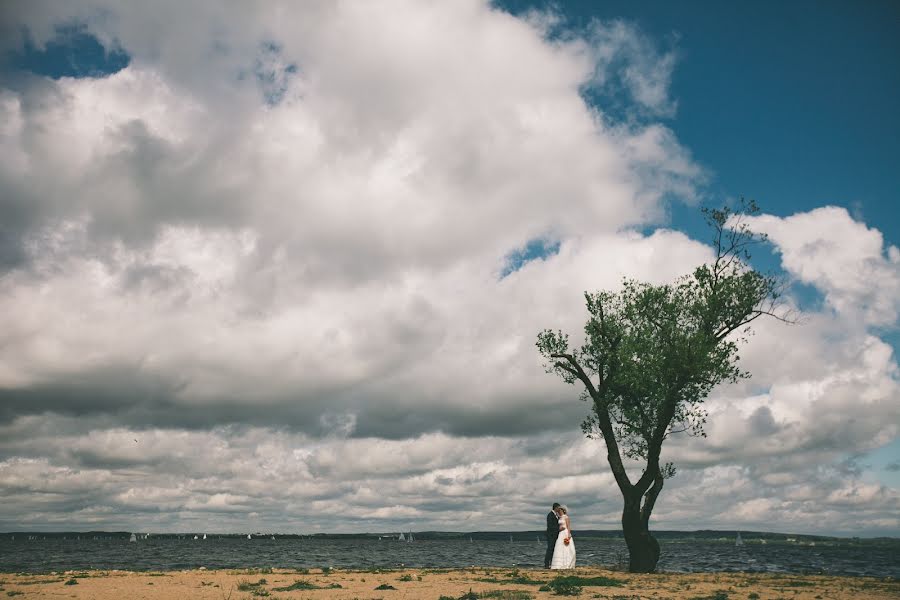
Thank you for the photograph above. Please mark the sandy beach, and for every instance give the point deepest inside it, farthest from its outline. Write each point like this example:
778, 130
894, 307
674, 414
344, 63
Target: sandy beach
431, 584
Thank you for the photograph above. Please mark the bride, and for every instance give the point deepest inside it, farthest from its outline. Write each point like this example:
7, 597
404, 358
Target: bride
564, 551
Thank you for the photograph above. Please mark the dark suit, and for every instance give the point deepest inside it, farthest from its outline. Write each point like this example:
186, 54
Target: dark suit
552, 534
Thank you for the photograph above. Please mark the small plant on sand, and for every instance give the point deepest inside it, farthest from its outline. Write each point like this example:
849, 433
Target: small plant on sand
517, 579
753, 596
717, 595
507, 595
248, 586
71, 581
566, 589
406, 577
300, 584
798, 583
385, 586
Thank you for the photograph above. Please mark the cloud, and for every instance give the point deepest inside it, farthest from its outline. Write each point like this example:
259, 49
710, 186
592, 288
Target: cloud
275, 250
843, 258
626, 57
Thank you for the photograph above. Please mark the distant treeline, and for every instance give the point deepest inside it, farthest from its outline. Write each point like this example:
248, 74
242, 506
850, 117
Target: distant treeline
517, 536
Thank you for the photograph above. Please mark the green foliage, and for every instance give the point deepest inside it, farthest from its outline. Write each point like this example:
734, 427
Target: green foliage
71, 581
565, 589
652, 353
300, 584
248, 586
512, 579
385, 586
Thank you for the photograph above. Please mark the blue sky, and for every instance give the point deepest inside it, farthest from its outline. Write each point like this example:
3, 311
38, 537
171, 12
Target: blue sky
340, 257
74, 52
793, 104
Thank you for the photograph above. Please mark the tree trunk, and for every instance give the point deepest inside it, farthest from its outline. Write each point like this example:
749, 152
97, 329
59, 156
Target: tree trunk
643, 549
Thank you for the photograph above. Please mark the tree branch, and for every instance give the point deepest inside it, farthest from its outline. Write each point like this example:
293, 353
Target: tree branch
613, 454
576, 370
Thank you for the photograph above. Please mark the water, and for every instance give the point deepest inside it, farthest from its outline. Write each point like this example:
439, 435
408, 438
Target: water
868, 557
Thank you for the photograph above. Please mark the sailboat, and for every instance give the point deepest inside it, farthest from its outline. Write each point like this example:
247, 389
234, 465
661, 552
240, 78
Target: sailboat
402, 537
739, 541
248, 536
410, 538
470, 539
133, 538
204, 536
510, 539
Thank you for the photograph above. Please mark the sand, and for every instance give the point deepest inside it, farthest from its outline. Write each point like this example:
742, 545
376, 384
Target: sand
430, 584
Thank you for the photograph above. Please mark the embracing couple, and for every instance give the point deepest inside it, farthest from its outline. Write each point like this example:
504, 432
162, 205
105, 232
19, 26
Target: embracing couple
560, 545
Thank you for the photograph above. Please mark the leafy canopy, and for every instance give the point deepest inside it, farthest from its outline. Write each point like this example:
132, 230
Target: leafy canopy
653, 353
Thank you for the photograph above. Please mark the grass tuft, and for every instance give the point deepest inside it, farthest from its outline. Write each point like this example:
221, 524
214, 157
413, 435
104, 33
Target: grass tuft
718, 595
248, 586
300, 584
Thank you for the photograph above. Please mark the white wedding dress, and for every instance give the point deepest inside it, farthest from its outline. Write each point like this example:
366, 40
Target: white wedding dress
563, 555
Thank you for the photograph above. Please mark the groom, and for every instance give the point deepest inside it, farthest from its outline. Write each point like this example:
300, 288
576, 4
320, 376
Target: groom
552, 533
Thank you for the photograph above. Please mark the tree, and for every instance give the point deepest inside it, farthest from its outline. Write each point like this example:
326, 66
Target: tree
651, 356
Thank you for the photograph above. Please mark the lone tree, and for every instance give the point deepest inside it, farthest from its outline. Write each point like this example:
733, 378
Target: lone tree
651, 356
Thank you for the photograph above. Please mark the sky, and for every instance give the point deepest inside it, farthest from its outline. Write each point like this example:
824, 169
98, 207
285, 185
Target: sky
281, 266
